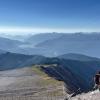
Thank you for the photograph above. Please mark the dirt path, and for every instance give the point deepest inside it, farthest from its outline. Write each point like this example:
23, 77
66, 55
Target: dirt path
24, 83
19, 78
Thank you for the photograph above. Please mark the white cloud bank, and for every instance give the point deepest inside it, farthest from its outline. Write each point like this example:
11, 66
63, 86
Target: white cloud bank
30, 30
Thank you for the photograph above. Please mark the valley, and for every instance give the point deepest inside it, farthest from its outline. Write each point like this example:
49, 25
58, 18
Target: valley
30, 68
52, 44
49, 49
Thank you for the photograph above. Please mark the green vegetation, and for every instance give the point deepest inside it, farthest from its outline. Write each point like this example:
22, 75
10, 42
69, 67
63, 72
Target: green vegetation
38, 70
45, 79
52, 86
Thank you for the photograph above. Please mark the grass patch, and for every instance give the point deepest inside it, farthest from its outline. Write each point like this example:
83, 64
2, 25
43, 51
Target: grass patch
52, 86
45, 79
38, 70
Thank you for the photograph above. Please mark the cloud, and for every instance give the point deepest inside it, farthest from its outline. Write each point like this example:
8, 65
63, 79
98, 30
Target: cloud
27, 30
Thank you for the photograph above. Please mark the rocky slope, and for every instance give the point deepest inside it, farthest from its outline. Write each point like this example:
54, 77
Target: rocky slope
94, 95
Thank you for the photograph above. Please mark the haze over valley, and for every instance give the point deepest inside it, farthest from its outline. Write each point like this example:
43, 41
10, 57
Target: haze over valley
73, 55
53, 44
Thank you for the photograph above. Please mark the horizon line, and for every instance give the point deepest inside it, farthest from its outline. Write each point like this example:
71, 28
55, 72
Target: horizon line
33, 30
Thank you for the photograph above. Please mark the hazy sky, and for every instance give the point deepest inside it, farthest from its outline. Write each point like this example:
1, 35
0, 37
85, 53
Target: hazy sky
28, 16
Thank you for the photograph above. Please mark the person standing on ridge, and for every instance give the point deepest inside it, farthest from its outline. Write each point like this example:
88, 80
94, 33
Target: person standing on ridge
97, 80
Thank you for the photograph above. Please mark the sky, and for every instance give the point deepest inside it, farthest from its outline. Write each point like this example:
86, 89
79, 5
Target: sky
33, 16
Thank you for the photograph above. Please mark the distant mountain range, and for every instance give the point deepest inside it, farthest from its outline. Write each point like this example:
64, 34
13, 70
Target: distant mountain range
7, 44
42, 37
53, 44
12, 60
78, 57
73, 43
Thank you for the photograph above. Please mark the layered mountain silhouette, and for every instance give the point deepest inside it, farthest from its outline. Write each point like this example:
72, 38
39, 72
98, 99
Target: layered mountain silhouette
7, 44
12, 60
54, 44
39, 38
73, 43
78, 57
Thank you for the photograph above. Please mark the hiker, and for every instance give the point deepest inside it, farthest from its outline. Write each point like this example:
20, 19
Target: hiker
97, 80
